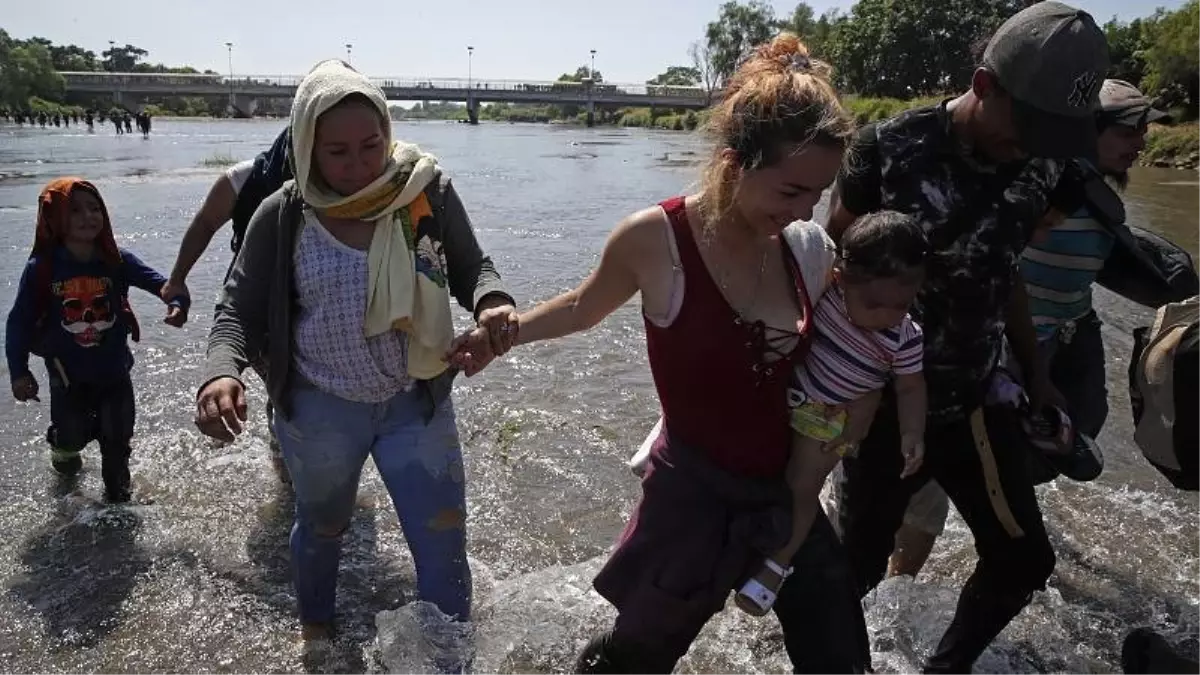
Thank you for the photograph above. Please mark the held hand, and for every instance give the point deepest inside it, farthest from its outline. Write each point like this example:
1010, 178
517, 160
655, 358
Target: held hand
912, 447
502, 324
176, 316
25, 388
221, 409
471, 352
172, 290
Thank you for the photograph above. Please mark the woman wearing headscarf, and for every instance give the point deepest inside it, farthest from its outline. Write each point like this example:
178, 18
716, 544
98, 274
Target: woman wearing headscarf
343, 286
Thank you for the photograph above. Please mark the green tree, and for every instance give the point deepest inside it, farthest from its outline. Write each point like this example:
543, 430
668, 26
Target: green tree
677, 76
73, 58
122, 59
581, 73
817, 40
1126, 42
802, 21
1172, 62
738, 29
26, 70
907, 48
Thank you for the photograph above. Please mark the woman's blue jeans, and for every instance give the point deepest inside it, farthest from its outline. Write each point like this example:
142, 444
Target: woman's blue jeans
325, 442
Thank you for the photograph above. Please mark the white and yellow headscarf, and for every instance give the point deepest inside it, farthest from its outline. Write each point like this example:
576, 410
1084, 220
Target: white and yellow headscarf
398, 297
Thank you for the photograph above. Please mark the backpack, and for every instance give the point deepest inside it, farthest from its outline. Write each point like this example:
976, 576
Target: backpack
1164, 391
272, 168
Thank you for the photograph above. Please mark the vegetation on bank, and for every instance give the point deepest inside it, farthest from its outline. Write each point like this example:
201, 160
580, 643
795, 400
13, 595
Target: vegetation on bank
1176, 146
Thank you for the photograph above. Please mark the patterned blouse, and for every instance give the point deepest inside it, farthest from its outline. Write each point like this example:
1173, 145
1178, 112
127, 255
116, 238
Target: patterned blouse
331, 351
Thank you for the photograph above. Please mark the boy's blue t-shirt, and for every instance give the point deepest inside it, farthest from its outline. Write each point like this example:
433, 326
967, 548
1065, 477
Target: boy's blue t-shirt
82, 325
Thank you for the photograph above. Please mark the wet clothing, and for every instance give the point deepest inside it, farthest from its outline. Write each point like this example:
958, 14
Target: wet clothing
81, 412
981, 464
978, 217
696, 401
714, 501
698, 533
325, 444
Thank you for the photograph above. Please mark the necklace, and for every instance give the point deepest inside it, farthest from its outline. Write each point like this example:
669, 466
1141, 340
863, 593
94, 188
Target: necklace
723, 282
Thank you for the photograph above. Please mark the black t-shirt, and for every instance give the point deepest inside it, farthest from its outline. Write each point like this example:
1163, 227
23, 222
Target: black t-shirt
978, 218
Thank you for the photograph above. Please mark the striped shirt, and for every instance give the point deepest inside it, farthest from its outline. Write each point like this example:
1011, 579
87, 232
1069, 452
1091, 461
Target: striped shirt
1058, 272
847, 362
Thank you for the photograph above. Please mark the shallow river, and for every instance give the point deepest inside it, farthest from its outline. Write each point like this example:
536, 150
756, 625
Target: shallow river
198, 581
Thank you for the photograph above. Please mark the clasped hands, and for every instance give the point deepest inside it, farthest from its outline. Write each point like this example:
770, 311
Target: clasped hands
494, 334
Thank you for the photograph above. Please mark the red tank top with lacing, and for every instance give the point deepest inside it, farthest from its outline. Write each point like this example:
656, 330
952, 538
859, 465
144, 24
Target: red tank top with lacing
721, 380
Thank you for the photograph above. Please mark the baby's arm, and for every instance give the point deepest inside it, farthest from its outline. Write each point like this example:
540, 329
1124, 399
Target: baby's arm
910, 396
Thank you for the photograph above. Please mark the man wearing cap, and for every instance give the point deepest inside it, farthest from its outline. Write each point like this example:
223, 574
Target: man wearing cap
977, 171
1088, 242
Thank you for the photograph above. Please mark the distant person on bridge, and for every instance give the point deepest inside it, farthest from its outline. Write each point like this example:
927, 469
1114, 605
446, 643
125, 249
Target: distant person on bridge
728, 279
344, 283
128, 123
235, 195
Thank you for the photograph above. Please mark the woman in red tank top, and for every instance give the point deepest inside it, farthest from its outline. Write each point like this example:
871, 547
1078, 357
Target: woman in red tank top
726, 295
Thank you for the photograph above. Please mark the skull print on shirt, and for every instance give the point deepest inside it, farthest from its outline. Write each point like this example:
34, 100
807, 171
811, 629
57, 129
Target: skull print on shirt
87, 308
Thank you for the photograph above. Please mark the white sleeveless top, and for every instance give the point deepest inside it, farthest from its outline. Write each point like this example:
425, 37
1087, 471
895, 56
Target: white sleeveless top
331, 351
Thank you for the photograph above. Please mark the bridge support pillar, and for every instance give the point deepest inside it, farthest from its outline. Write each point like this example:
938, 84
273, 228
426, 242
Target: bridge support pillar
472, 109
242, 105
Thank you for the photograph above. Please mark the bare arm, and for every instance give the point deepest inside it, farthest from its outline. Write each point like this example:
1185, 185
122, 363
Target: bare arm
608, 287
213, 214
1018, 327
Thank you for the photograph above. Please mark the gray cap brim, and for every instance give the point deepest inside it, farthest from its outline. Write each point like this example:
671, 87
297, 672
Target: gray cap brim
1139, 116
1054, 136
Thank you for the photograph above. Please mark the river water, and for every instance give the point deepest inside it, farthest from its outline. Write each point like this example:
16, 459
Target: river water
198, 580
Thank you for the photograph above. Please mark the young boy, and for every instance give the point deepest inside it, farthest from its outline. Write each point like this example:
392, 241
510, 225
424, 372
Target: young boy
72, 309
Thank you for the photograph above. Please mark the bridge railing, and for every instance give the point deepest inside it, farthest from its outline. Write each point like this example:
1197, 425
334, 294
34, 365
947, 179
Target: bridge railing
117, 80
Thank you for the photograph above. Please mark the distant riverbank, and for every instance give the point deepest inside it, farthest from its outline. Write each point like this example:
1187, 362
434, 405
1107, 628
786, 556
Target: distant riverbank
1175, 147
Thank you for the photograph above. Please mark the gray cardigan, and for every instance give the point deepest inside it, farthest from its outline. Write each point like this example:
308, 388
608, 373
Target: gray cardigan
253, 322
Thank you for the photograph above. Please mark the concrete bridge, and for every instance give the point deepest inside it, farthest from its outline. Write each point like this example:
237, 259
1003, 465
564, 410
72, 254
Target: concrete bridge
244, 91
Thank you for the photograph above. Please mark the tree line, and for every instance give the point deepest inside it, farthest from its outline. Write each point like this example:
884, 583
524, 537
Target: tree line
915, 48
29, 72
